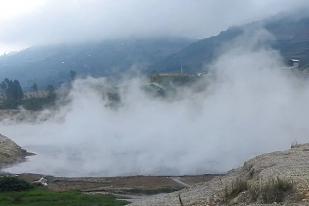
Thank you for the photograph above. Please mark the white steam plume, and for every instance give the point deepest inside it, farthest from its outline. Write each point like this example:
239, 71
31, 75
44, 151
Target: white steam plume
252, 105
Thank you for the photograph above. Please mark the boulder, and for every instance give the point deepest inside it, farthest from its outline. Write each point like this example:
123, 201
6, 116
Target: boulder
10, 152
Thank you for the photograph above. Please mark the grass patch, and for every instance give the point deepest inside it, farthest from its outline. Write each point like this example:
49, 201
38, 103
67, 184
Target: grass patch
274, 190
43, 197
237, 186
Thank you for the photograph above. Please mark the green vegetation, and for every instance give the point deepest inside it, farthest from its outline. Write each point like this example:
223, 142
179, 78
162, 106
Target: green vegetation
36, 103
9, 184
41, 197
13, 93
12, 96
16, 192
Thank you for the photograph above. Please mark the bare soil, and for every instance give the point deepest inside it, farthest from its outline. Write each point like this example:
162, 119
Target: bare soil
122, 185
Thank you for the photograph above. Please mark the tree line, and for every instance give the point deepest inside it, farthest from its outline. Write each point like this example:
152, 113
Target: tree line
13, 96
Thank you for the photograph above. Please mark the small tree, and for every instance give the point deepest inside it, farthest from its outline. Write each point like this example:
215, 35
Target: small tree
72, 75
13, 92
19, 93
51, 94
34, 87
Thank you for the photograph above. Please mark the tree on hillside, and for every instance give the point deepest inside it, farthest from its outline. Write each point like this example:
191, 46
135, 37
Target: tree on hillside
38, 102
19, 93
34, 87
51, 91
12, 92
73, 75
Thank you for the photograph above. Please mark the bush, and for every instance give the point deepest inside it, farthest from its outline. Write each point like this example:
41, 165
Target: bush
10, 184
237, 186
275, 190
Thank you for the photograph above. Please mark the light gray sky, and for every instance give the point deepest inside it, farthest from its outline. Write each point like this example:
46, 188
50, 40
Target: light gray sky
26, 23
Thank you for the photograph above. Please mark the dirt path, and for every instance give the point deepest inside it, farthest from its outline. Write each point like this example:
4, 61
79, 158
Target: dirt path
180, 182
125, 197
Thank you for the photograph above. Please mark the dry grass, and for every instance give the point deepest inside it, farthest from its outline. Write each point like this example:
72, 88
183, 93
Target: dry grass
237, 186
273, 190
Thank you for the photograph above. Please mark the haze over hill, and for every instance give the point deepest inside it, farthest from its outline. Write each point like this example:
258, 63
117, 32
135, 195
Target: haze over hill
52, 64
290, 36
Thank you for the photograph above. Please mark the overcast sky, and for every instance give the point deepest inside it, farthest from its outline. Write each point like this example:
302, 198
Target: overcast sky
25, 23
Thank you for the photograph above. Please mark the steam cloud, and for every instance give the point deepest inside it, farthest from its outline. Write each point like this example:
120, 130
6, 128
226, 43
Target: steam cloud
253, 104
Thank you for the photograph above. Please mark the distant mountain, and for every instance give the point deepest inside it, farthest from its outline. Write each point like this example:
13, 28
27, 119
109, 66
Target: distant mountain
291, 39
52, 64
193, 57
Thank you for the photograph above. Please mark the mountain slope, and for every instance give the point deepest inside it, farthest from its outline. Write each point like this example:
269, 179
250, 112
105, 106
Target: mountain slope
52, 63
193, 57
291, 39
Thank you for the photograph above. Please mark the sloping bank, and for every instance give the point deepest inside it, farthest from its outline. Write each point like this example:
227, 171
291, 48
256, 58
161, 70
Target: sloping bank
269, 179
10, 152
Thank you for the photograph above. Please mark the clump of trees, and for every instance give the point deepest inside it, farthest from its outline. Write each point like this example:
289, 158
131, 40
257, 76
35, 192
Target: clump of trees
39, 102
13, 96
12, 92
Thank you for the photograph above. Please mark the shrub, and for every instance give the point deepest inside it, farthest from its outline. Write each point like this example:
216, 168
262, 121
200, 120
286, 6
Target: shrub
274, 190
294, 145
237, 186
9, 184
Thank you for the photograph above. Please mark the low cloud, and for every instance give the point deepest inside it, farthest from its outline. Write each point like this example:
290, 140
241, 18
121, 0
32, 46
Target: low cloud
78, 20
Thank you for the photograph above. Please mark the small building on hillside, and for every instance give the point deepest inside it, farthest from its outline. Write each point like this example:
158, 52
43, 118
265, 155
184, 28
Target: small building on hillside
294, 63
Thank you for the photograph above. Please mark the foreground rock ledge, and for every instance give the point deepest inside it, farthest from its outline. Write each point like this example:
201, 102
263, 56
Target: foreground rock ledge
10, 152
292, 165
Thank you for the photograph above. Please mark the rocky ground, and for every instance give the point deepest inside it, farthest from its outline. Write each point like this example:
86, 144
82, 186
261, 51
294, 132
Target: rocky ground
260, 176
10, 152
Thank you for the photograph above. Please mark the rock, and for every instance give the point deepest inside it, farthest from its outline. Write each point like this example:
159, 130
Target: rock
10, 152
41, 182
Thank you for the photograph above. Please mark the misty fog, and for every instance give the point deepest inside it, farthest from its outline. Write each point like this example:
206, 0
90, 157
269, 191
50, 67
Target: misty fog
56, 21
252, 104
